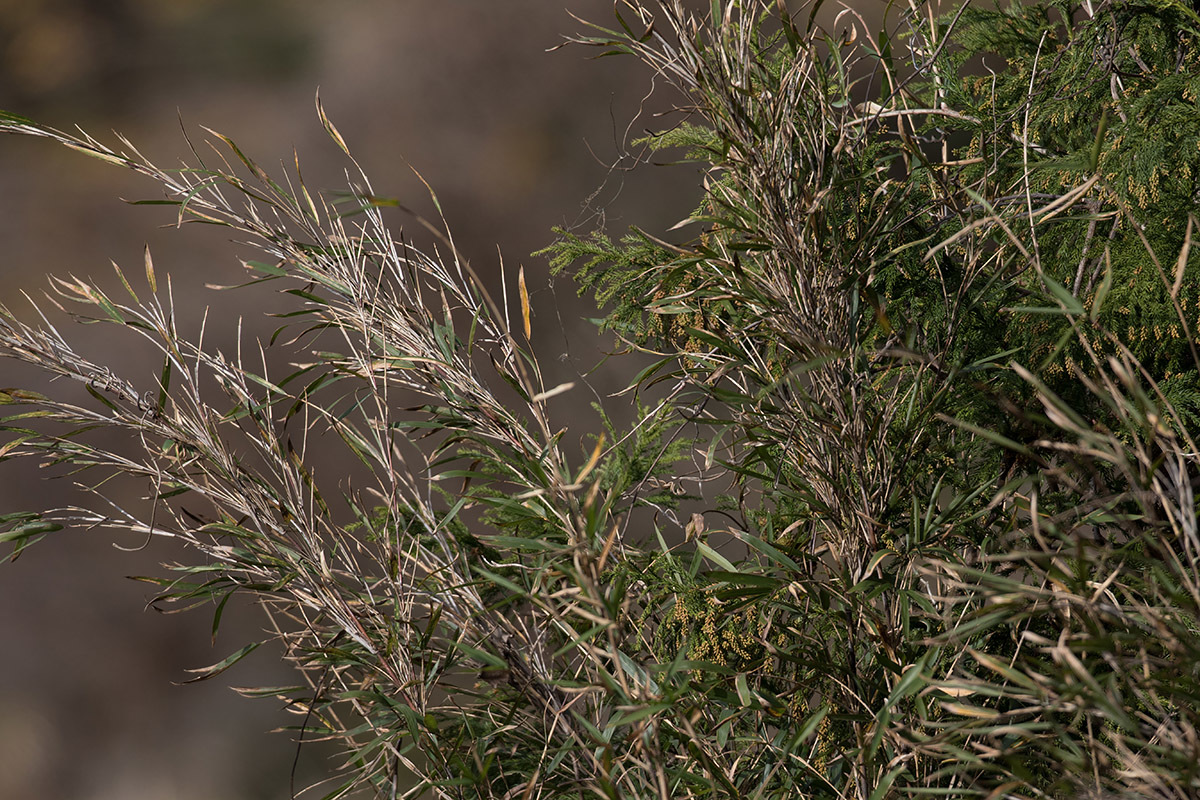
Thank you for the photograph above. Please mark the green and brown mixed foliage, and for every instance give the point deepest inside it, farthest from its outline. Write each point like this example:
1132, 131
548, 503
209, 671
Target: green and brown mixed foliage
907, 508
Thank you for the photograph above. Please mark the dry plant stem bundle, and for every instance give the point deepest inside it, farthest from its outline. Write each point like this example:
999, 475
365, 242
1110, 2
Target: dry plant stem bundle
408, 324
945, 537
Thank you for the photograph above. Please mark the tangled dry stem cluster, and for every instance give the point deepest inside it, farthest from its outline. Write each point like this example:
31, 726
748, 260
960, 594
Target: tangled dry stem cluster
942, 591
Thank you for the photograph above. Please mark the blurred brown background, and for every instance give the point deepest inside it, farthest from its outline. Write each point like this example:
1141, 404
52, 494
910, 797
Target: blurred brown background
514, 140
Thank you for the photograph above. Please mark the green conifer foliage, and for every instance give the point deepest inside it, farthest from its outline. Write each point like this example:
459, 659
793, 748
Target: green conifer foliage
1056, 96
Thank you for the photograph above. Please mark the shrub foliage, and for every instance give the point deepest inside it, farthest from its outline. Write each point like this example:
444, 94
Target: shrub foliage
907, 507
